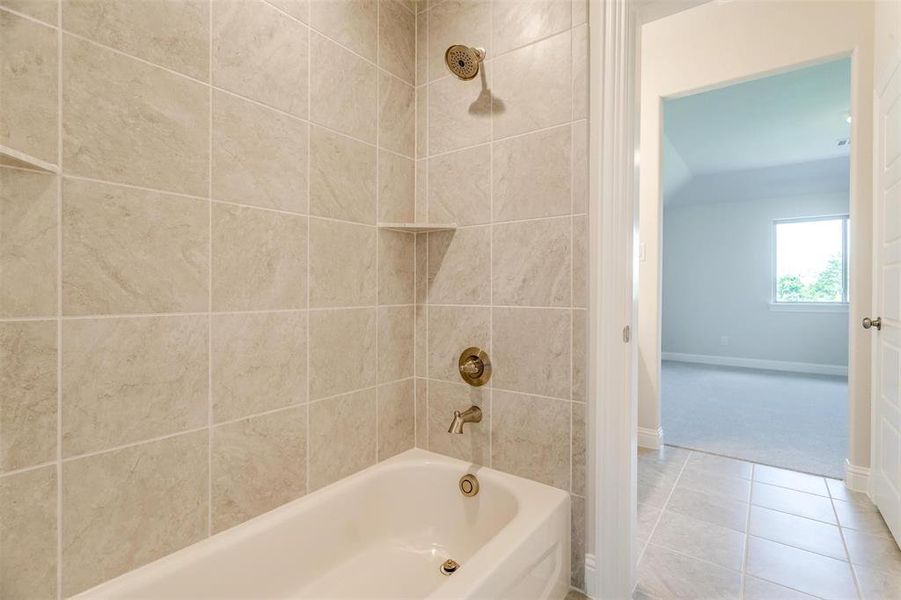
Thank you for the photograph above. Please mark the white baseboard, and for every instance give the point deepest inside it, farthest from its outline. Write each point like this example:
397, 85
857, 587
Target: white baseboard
857, 478
757, 363
650, 438
591, 576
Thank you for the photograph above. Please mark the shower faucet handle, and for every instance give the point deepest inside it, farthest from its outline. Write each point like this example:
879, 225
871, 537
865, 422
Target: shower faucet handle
474, 366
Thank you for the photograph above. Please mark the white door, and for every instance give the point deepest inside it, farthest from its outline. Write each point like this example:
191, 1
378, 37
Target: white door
885, 485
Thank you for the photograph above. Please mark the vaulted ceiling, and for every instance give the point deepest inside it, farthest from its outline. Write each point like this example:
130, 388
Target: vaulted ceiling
768, 134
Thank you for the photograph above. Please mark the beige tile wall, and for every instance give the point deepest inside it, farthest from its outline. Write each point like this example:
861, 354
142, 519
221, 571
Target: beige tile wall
199, 319
505, 157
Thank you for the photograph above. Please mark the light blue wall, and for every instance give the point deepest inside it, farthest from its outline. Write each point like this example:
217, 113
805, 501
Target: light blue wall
717, 281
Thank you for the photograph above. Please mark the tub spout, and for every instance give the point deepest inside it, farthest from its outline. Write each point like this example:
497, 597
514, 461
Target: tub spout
473, 414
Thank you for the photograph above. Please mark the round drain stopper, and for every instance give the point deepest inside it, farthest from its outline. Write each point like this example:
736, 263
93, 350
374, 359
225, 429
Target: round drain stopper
449, 567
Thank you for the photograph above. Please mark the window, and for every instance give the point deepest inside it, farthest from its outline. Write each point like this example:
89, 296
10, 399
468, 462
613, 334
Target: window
811, 259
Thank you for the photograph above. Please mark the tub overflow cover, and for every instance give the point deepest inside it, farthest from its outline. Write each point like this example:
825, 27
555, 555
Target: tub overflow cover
469, 485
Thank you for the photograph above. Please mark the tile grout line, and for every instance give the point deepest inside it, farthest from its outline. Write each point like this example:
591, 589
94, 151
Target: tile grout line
210, 282
373, 225
406, 7
795, 490
794, 547
491, 241
702, 560
319, 32
788, 587
427, 241
572, 264
718, 566
133, 186
135, 444
416, 382
378, 235
309, 171
12, 11
743, 571
663, 508
419, 316
509, 391
191, 314
264, 413
841, 534
193, 430
751, 505
41, 465
504, 306
215, 200
506, 138
415, 336
791, 514
327, 128
648, 542
417, 330
59, 301
519, 221
747, 542
241, 96
294, 310
770, 466
428, 347
310, 29
753, 479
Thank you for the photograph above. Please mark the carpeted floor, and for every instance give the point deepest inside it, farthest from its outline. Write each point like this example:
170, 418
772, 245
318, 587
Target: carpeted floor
788, 420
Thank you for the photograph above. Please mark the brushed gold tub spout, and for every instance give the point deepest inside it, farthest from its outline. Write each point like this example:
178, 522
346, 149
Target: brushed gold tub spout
473, 414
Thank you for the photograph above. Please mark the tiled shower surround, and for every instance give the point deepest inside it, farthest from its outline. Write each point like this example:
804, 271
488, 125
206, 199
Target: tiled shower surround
199, 318
505, 157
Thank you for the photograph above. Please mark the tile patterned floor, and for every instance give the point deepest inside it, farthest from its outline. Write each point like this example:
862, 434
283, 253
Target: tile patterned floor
716, 528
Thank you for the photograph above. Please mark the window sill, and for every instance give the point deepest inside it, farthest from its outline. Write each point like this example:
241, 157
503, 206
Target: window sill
808, 307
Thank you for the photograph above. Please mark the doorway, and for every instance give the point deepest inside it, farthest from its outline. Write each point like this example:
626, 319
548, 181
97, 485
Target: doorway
715, 48
703, 49
756, 269
712, 45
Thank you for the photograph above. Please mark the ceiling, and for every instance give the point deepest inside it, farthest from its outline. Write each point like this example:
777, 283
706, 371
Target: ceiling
652, 10
776, 121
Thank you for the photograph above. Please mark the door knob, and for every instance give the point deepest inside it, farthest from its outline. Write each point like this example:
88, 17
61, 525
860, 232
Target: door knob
868, 322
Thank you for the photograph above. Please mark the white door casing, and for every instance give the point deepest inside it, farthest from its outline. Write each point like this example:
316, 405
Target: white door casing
684, 54
613, 176
885, 472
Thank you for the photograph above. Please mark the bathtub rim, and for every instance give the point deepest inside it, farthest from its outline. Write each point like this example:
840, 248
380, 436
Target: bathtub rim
544, 501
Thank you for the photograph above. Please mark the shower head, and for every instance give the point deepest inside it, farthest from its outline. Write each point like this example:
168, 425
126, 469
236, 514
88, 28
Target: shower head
464, 61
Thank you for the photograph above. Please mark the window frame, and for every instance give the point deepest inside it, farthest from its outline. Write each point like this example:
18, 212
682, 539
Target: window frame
782, 305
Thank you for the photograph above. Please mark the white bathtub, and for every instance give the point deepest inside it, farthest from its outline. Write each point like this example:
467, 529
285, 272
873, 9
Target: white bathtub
382, 533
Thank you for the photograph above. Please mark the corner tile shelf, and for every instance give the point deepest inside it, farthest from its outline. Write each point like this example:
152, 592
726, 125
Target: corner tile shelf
14, 158
418, 227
